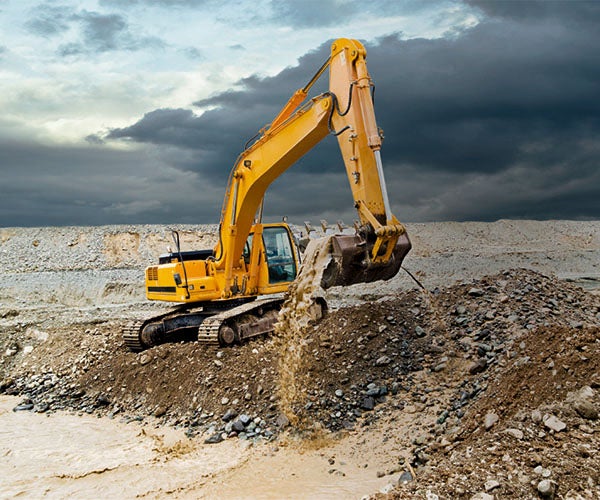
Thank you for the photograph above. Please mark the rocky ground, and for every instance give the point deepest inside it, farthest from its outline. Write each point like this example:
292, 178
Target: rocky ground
486, 388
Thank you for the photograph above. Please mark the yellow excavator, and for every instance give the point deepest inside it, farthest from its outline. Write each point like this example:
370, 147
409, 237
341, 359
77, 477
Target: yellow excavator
235, 290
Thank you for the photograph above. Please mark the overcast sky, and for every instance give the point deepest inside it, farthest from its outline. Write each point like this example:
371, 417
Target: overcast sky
134, 111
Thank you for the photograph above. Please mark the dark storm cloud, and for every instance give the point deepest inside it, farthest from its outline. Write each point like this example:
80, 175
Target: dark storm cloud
64, 185
585, 11
502, 120
106, 32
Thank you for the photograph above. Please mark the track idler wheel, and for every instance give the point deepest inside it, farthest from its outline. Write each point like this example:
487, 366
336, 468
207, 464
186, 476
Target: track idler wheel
153, 334
227, 336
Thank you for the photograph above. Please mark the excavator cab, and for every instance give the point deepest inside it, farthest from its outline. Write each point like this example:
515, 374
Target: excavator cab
272, 258
280, 256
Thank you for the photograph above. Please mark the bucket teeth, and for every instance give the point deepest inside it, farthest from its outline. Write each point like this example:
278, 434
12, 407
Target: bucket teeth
325, 229
308, 227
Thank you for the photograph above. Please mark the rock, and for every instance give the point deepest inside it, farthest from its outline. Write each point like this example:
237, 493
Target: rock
339, 393
229, 415
383, 360
160, 411
554, 424
215, 438
586, 392
102, 400
475, 292
145, 359
490, 485
490, 420
482, 496
477, 366
238, 426
516, 433
419, 332
546, 488
41, 408
442, 417
405, 477
368, 403
582, 451
6, 383
282, 421
11, 351
385, 490
23, 407
586, 409
245, 419
536, 416
541, 471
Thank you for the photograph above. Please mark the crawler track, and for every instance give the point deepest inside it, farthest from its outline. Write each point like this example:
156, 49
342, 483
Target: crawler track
211, 324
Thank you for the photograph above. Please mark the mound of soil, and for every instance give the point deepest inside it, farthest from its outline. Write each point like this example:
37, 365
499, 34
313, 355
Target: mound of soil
484, 388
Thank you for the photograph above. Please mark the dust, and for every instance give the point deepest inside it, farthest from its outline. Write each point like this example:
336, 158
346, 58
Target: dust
293, 325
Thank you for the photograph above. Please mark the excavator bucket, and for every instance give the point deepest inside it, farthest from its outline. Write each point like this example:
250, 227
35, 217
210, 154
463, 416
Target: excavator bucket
349, 262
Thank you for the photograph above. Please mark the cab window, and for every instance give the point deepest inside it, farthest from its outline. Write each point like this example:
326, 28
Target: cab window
280, 256
248, 249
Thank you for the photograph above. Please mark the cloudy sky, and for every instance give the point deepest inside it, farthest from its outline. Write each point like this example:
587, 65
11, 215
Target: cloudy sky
133, 111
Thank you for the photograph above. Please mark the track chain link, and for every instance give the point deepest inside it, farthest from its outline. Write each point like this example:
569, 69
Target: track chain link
131, 335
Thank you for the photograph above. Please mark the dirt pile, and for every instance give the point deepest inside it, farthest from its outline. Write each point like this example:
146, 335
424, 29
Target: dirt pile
488, 387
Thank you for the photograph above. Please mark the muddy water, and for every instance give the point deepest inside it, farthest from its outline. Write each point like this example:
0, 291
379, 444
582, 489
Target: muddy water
70, 456
296, 474
293, 325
